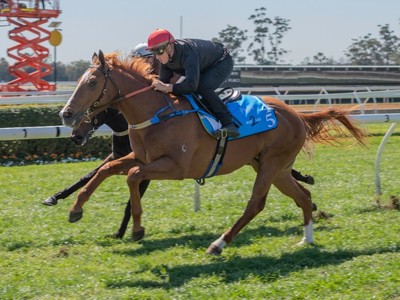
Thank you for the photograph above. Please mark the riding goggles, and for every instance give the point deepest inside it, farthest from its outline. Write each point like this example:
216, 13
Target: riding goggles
159, 51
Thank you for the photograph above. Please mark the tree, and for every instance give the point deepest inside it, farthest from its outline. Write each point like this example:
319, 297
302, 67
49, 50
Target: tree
280, 26
76, 69
4, 75
375, 51
390, 44
232, 37
70, 72
365, 51
61, 73
271, 31
318, 59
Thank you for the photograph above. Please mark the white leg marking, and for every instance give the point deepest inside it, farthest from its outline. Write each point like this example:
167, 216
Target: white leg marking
220, 243
308, 234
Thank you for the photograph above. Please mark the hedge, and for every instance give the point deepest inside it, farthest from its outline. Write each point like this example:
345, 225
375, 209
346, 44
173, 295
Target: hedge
22, 152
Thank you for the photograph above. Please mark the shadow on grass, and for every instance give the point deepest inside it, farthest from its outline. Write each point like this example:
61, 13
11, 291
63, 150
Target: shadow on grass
196, 241
237, 268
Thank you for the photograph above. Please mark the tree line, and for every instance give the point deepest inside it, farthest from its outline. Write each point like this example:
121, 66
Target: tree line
264, 46
65, 72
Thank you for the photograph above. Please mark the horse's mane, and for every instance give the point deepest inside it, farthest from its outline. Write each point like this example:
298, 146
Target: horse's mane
137, 66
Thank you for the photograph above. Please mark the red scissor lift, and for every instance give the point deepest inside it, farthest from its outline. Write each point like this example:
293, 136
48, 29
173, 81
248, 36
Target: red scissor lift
28, 18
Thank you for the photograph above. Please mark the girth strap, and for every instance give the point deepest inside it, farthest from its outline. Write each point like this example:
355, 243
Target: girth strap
217, 160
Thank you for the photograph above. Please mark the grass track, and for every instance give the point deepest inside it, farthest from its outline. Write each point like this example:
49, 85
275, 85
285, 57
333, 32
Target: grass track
357, 255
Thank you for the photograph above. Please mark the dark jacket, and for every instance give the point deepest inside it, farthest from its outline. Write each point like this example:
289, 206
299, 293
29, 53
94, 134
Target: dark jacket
191, 57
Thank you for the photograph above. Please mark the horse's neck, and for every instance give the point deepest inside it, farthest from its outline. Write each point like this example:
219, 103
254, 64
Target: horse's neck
117, 122
142, 106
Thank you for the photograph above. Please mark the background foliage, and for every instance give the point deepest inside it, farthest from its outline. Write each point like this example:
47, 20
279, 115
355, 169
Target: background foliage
46, 150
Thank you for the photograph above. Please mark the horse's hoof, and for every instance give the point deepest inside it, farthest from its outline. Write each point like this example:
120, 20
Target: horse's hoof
114, 236
214, 250
137, 236
309, 179
304, 242
75, 216
314, 207
51, 201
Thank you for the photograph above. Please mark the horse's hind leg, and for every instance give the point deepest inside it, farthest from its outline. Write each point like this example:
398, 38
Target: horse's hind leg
255, 205
291, 188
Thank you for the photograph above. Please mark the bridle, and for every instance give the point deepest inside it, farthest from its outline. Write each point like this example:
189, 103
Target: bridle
96, 123
104, 91
96, 105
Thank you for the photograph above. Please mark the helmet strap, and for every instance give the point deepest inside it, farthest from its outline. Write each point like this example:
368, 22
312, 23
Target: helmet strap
169, 52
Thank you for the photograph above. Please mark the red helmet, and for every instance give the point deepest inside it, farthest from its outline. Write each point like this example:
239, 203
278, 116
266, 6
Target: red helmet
159, 38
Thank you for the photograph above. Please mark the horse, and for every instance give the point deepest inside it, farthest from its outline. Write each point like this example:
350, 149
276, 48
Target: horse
178, 147
120, 147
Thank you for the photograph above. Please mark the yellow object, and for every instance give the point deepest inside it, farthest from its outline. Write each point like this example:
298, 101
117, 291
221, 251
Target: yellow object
55, 38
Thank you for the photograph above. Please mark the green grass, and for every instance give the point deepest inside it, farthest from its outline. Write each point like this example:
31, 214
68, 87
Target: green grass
356, 256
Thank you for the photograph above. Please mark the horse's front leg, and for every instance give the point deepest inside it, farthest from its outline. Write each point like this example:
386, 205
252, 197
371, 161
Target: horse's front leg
117, 167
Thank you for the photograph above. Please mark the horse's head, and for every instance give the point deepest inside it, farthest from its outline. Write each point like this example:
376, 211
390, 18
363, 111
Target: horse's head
110, 116
94, 92
81, 135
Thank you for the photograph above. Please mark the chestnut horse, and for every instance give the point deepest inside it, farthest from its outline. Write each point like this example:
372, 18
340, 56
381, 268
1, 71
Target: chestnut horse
178, 148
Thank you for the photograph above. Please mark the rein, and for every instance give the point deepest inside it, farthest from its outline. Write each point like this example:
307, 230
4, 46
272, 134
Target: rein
131, 94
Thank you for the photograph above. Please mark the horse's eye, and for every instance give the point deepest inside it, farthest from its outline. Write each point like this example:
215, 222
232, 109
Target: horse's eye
92, 83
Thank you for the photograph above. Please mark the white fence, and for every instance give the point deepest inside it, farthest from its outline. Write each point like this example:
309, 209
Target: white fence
43, 132
50, 132
12, 98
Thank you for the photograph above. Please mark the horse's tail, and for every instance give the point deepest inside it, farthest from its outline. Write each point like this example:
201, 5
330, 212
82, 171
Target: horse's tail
321, 125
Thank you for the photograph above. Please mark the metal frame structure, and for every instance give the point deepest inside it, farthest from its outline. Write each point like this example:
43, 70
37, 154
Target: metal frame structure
28, 18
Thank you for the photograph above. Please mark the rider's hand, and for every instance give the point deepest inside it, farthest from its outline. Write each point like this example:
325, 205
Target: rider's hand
162, 87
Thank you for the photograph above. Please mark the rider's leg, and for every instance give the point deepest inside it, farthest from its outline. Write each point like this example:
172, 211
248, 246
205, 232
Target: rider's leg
209, 82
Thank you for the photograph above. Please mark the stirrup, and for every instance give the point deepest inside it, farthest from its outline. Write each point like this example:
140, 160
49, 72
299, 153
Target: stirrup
220, 133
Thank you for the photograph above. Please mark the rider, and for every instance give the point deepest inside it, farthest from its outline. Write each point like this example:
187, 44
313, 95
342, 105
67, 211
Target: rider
140, 50
205, 65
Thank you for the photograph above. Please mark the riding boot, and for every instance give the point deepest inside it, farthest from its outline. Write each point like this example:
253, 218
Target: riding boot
222, 113
228, 127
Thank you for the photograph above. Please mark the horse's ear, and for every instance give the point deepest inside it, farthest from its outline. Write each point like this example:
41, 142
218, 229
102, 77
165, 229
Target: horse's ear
101, 58
95, 58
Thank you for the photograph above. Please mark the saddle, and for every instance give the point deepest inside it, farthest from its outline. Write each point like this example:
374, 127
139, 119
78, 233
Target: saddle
227, 94
249, 112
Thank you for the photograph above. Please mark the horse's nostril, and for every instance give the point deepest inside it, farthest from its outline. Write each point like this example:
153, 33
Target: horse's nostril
67, 114
77, 139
